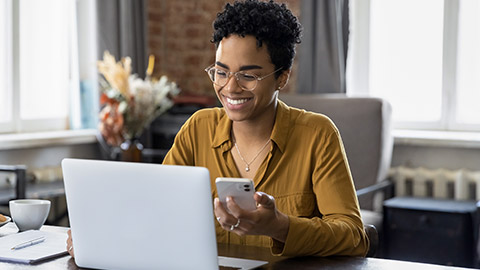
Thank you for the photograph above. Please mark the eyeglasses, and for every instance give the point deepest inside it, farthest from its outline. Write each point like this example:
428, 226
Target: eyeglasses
246, 81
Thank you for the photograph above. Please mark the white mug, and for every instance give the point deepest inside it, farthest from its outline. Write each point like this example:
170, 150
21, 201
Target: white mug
29, 214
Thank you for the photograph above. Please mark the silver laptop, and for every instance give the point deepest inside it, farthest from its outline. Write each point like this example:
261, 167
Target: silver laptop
142, 216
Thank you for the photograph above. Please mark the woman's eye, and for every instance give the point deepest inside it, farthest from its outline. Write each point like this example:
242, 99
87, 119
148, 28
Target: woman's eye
247, 77
221, 73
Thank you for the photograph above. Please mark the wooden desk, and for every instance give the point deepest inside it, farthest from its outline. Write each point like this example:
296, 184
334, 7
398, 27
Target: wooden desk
332, 263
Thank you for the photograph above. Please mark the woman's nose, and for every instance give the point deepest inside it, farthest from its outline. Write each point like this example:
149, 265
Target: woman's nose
232, 85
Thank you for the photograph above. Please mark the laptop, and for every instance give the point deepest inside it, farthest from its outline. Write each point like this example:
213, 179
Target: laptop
142, 216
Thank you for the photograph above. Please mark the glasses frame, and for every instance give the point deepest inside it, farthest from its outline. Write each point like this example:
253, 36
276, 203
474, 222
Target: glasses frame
237, 79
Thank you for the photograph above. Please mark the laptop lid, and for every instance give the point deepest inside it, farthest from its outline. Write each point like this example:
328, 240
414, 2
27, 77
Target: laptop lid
140, 216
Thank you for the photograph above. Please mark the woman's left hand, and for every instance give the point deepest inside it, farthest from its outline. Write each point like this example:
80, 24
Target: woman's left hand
70, 243
265, 220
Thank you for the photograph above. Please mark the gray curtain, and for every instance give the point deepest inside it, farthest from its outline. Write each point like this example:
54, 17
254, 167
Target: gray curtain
323, 51
122, 31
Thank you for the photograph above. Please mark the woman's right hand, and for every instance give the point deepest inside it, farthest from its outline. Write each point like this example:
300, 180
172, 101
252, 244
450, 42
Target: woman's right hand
70, 243
265, 220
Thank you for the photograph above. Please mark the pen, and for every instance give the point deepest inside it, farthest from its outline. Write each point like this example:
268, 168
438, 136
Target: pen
29, 243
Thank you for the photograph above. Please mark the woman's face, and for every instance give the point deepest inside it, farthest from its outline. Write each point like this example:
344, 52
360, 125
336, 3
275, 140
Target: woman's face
236, 53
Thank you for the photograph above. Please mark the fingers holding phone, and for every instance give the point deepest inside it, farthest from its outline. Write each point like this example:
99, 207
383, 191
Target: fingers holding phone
227, 220
235, 198
264, 200
243, 211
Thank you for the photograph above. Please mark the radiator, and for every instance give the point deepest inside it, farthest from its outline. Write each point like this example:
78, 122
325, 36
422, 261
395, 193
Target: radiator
440, 183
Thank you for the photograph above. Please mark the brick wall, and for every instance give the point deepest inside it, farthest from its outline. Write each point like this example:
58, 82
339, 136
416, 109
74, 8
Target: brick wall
179, 34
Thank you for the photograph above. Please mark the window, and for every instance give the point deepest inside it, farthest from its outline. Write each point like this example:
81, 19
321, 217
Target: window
38, 40
420, 55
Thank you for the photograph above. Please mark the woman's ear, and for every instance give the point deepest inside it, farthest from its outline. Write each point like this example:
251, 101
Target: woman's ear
283, 79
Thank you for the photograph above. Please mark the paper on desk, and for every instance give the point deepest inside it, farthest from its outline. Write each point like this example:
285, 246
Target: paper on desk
54, 245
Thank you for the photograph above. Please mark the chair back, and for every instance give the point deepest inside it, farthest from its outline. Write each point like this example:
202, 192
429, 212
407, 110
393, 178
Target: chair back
372, 235
365, 127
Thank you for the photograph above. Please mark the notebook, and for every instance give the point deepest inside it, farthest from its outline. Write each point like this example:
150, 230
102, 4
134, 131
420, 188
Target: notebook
142, 216
52, 245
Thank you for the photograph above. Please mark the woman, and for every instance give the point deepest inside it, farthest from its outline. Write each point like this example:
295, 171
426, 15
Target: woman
293, 156
307, 203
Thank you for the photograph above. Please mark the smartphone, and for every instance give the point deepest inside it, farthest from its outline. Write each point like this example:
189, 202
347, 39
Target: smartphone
240, 189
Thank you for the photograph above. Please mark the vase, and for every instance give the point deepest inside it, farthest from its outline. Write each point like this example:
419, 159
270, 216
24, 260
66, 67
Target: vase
131, 150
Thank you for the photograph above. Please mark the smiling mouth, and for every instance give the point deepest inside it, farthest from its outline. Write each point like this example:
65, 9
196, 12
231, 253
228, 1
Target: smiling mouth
237, 101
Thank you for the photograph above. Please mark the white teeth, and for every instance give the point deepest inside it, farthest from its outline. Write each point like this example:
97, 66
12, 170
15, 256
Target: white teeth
237, 101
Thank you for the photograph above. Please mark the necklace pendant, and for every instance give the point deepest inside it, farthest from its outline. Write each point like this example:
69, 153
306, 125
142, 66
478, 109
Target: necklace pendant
247, 167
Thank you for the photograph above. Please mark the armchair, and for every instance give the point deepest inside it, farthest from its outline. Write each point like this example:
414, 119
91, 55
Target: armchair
365, 126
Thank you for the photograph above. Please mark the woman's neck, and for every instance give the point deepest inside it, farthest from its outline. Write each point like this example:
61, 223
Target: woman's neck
254, 132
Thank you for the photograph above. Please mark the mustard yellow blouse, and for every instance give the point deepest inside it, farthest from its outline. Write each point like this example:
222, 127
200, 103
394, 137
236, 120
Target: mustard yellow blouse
306, 171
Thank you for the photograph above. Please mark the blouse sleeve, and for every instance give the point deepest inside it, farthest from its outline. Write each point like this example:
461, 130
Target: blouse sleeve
339, 230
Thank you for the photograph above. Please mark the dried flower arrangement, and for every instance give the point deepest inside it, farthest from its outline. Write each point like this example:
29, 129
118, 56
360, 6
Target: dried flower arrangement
130, 103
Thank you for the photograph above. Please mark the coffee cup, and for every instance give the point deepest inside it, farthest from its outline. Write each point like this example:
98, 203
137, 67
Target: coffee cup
29, 214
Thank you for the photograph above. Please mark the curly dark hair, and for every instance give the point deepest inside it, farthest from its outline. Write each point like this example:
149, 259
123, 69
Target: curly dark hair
268, 22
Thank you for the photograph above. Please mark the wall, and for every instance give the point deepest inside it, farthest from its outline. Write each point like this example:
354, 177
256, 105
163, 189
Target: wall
179, 37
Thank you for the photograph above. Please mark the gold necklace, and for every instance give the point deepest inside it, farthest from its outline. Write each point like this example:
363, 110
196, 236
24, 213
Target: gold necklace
247, 168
